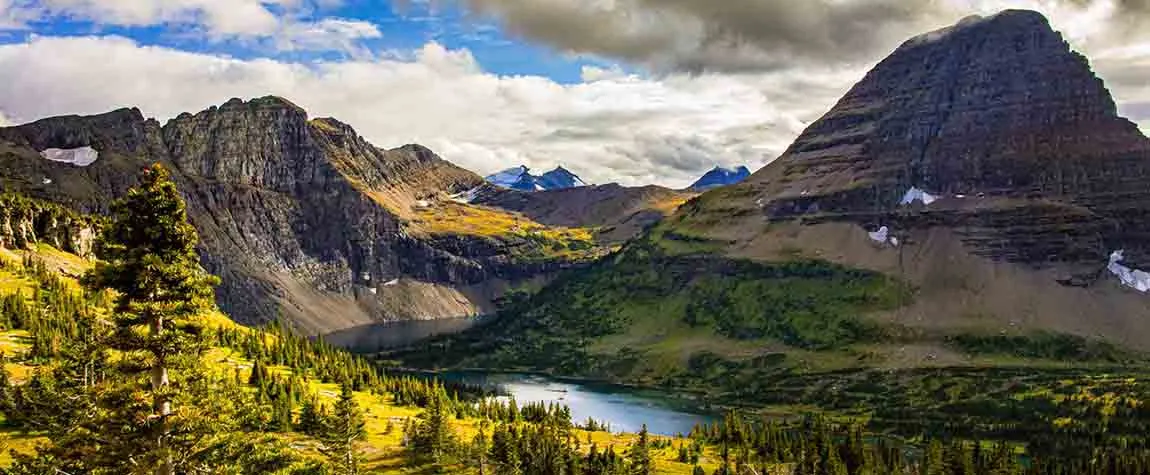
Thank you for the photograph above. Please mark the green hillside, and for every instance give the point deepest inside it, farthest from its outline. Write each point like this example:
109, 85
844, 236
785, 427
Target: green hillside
130, 368
792, 337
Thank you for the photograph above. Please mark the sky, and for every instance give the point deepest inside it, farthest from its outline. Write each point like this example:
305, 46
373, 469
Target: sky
628, 91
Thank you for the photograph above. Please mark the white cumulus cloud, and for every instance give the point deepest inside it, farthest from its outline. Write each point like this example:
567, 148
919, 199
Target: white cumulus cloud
617, 128
280, 23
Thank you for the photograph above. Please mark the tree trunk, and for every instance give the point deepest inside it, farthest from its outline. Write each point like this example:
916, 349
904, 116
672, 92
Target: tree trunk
163, 406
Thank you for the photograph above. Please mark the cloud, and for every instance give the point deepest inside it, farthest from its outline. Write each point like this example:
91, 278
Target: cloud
633, 128
617, 128
284, 24
328, 34
760, 35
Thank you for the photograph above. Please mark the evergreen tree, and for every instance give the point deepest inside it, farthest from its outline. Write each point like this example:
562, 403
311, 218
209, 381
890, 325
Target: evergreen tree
7, 401
640, 455
933, 461
479, 449
149, 259
433, 440
341, 431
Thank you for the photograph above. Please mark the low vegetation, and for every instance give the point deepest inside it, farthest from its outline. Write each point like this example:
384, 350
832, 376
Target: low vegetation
528, 238
79, 389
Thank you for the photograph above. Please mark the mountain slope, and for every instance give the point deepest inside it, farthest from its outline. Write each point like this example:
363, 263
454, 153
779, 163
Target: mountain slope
1037, 179
619, 213
719, 176
302, 216
961, 205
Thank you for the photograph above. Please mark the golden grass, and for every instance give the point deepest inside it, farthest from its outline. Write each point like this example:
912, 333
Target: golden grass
669, 205
66, 263
382, 447
21, 443
457, 218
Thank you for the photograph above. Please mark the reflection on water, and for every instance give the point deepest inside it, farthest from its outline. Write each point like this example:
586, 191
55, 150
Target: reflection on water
381, 336
624, 409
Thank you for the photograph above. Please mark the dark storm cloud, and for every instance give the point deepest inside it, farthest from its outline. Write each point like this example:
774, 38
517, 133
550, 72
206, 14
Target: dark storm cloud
739, 36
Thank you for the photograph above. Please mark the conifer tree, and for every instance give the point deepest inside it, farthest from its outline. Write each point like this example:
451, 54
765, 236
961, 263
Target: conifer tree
149, 258
640, 454
341, 431
7, 402
433, 440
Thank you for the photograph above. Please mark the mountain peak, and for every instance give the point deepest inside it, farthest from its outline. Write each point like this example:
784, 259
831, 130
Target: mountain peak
1007, 21
520, 178
720, 176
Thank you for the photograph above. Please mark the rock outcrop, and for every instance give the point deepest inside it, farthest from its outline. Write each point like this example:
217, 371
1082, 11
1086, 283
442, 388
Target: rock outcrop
997, 162
298, 217
25, 223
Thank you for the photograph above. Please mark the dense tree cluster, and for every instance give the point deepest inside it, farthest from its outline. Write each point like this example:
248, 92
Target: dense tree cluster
120, 386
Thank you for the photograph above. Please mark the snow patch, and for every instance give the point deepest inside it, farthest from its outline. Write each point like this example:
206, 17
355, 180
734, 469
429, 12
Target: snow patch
373, 290
80, 157
915, 194
422, 204
1133, 278
881, 235
467, 197
391, 283
47, 181
508, 177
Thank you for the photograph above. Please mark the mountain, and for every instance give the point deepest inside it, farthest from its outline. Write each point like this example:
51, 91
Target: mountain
520, 178
975, 199
560, 178
618, 213
517, 178
298, 216
720, 176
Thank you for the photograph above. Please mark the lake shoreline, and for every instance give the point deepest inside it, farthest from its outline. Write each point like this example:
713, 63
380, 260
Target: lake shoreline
625, 408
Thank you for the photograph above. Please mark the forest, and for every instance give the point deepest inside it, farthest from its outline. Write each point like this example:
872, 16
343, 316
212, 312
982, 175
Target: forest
131, 369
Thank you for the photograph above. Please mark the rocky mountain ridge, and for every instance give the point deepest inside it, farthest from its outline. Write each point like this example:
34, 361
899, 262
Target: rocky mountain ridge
520, 178
990, 168
975, 200
299, 217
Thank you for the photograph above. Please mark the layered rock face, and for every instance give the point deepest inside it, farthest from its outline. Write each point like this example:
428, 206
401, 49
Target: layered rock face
299, 217
997, 118
998, 165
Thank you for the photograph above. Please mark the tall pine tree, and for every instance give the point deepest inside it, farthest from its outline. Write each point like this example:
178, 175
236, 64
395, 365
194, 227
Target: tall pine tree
149, 258
342, 430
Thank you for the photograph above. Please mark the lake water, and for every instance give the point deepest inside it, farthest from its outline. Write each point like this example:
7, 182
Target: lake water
624, 409
383, 336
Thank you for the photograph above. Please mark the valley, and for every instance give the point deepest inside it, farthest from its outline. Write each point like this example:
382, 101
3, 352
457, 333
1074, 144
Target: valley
941, 275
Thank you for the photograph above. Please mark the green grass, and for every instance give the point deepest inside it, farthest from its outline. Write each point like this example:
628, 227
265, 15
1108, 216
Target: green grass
382, 448
641, 315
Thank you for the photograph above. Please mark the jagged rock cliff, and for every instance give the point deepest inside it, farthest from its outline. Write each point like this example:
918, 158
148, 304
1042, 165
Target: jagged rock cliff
25, 223
991, 170
300, 217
